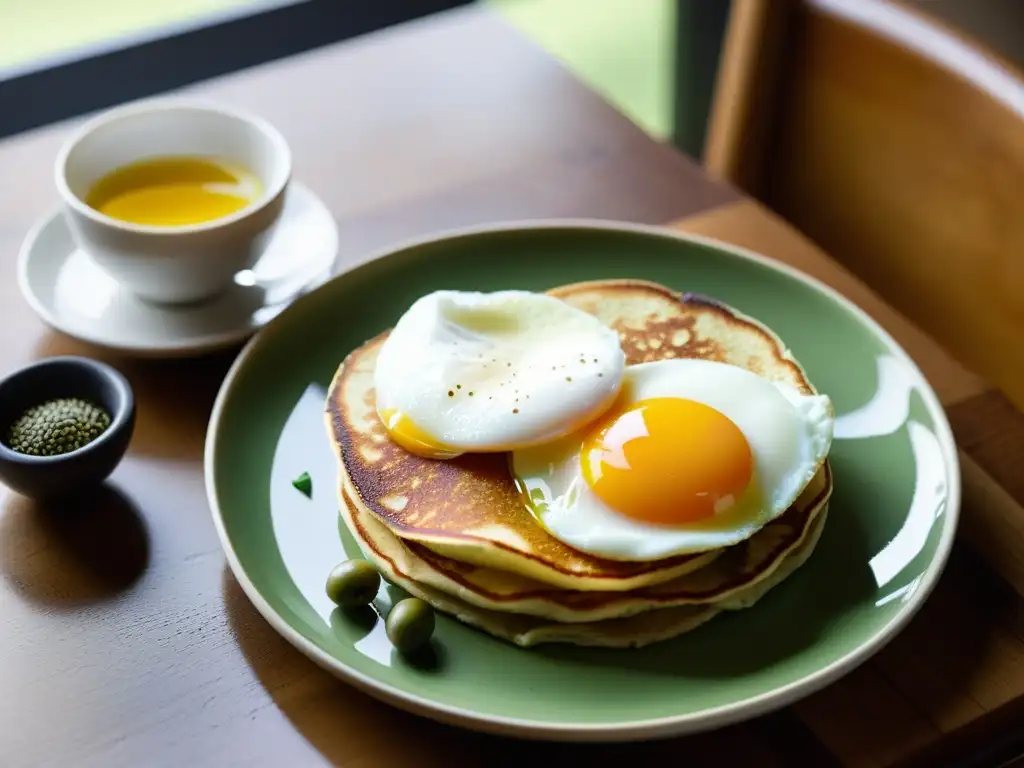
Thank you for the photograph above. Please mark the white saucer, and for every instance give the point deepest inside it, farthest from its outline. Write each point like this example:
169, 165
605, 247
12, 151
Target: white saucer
74, 295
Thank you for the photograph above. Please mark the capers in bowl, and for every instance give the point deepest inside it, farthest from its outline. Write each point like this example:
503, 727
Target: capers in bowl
58, 426
410, 624
353, 583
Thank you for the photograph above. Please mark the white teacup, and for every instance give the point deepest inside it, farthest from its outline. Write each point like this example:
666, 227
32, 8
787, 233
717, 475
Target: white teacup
173, 264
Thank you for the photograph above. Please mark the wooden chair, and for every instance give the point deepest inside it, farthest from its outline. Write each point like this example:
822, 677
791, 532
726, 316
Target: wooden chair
896, 144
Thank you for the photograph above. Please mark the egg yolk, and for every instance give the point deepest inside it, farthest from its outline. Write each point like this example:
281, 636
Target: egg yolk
406, 434
667, 461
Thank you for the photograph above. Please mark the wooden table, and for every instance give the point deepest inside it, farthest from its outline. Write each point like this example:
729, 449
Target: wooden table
126, 641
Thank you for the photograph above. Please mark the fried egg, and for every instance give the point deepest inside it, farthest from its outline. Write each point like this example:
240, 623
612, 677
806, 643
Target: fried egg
489, 372
693, 455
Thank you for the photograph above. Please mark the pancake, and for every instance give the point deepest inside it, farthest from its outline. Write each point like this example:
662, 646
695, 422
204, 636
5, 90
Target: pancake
657, 323
468, 509
396, 561
738, 568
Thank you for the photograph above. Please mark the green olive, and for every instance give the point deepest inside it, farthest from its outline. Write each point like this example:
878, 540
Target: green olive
352, 583
410, 624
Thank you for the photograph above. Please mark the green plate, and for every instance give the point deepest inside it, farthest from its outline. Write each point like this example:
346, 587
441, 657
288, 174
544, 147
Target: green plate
891, 523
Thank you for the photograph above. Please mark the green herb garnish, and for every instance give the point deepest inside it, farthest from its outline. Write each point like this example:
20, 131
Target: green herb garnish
58, 426
304, 484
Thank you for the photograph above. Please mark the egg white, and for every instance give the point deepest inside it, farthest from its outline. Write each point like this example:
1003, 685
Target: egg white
789, 434
485, 372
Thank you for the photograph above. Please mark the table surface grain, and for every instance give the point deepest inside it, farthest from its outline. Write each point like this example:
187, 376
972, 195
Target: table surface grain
125, 639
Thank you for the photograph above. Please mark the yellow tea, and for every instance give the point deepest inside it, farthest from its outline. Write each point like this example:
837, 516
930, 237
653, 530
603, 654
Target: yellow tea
174, 191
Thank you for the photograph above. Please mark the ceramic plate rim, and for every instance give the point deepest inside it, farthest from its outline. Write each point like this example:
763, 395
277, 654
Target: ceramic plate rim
672, 725
182, 347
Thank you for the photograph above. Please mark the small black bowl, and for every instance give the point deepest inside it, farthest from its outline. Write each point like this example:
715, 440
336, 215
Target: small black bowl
46, 477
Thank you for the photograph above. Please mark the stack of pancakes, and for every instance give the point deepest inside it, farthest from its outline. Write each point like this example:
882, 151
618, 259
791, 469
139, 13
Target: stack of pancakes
457, 534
